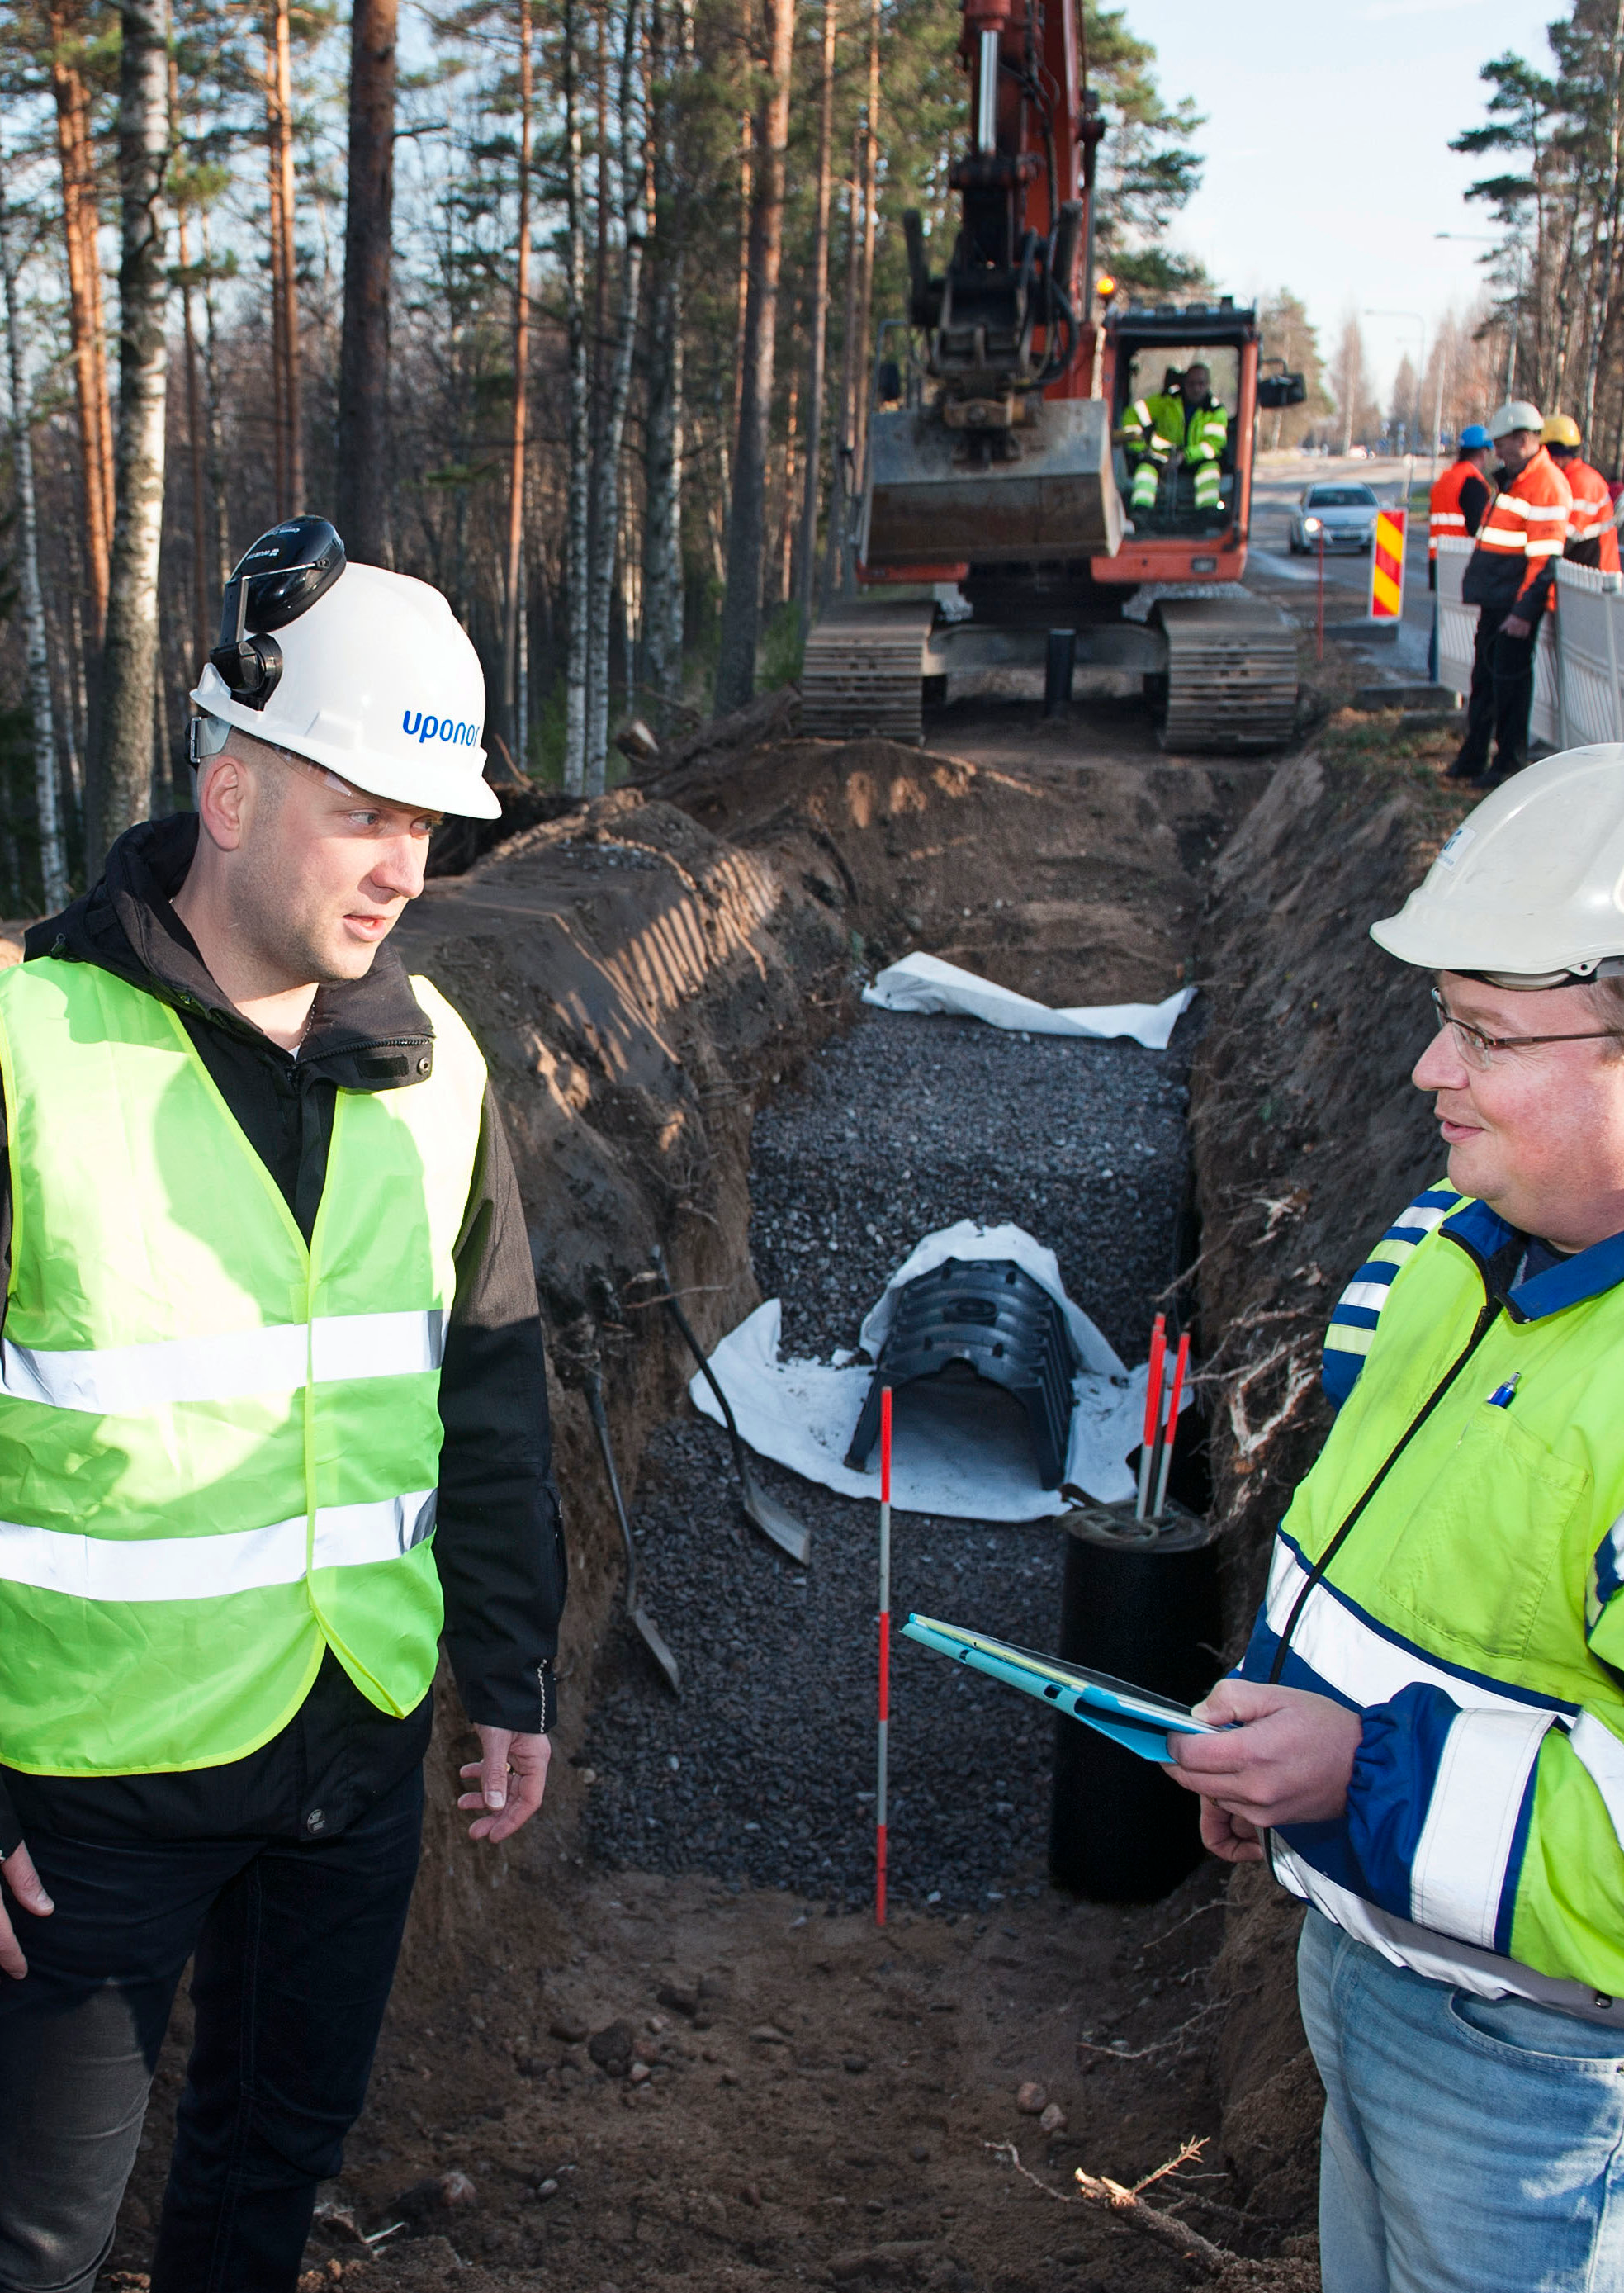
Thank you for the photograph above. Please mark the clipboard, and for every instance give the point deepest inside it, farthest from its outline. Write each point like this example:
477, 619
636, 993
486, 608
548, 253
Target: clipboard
1131, 1716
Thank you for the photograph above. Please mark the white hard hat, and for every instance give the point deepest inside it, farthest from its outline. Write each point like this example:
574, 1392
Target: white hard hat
368, 673
1516, 414
1529, 891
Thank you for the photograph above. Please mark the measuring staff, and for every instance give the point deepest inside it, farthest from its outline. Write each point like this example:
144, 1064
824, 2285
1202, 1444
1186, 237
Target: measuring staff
272, 1409
1431, 1710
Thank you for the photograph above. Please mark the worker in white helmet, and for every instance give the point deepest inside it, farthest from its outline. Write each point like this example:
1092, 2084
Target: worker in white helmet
1425, 1736
272, 1413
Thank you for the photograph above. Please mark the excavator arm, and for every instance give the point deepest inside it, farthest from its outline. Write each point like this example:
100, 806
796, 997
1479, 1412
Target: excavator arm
990, 467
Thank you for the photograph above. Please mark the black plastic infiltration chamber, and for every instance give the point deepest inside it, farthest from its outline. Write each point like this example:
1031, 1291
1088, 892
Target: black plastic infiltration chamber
990, 1314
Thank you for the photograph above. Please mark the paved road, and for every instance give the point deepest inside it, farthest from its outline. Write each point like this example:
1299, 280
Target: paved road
1271, 568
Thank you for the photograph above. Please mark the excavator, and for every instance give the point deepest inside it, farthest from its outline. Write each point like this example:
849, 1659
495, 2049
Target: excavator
992, 527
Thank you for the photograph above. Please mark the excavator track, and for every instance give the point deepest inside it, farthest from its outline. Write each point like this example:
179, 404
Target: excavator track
1231, 674
864, 671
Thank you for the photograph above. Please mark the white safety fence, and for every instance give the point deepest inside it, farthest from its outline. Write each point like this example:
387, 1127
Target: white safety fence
1577, 659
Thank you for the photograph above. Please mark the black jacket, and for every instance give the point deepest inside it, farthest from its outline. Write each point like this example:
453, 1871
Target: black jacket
498, 1545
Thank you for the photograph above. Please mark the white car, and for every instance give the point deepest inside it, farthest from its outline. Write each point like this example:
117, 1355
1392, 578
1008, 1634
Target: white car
1334, 517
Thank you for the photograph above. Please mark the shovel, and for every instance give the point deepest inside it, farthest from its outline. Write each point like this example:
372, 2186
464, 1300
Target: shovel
773, 1519
653, 1639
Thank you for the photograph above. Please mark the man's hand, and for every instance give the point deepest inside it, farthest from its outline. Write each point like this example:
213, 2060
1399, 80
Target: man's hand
1230, 1837
22, 1879
509, 1778
1284, 1757
1515, 625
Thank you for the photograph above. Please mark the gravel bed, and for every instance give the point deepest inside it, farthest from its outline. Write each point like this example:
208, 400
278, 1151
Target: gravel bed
905, 1125
763, 1771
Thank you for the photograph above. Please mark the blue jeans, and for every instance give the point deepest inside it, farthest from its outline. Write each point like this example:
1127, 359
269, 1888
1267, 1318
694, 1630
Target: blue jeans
294, 1945
1469, 2145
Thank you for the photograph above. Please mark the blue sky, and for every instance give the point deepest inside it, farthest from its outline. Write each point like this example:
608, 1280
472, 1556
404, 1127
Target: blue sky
1327, 144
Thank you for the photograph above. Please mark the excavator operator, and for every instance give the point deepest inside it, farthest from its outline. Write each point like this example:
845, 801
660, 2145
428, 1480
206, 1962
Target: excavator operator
1180, 420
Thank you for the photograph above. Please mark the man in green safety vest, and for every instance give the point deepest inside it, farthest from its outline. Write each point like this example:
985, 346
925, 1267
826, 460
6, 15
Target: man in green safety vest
1178, 426
272, 1416
1425, 1736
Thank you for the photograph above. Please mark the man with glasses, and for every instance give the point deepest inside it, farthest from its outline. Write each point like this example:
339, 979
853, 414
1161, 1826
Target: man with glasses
1425, 1736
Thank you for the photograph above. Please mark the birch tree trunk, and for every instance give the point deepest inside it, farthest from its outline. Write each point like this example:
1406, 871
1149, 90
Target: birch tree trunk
54, 873
362, 501
662, 610
746, 532
86, 324
521, 361
815, 383
121, 776
607, 502
578, 548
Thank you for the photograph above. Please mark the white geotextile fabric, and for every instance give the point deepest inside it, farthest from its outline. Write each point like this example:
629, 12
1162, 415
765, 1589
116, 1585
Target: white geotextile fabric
961, 1450
926, 984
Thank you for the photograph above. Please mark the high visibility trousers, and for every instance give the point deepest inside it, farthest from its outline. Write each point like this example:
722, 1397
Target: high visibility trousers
1207, 480
1147, 477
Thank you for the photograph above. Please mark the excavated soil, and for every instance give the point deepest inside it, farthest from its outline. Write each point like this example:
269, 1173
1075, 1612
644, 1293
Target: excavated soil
595, 2077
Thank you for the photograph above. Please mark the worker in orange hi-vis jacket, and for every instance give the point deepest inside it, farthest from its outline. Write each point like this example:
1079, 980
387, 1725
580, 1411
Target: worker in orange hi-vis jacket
1460, 495
1510, 579
1593, 538
1457, 507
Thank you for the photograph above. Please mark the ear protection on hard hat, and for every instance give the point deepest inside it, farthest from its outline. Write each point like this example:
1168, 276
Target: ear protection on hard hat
271, 584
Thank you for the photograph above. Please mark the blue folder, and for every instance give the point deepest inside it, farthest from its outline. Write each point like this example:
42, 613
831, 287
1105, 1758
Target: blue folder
1131, 1716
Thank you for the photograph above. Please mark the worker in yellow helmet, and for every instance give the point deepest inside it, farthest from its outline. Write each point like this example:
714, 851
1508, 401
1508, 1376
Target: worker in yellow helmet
1593, 538
272, 1411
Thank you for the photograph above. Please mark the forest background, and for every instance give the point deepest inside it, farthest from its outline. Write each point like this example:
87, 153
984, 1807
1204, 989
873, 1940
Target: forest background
570, 307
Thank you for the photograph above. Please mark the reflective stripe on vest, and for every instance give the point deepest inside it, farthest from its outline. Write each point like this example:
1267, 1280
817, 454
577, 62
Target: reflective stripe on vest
1592, 502
218, 1448
239, 1560
122, 1378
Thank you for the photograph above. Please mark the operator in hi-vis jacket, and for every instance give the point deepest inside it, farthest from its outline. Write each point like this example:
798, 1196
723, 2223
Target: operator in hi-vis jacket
1426, 1733
272, 1413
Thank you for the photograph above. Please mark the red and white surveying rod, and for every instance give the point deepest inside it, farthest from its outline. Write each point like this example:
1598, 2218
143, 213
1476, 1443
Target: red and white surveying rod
1153, 1413
879, 1795
1180, 1366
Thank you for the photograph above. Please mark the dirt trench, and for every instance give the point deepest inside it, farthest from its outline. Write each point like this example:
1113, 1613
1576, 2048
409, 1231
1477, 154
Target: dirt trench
639, 2077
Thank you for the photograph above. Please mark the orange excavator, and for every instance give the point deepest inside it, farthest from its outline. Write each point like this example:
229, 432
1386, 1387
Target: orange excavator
1006, 427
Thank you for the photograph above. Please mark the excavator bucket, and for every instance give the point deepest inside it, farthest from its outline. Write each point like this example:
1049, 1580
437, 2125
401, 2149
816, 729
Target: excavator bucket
937, 495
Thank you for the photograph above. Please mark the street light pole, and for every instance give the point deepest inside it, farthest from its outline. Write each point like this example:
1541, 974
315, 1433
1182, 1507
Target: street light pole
1487, 238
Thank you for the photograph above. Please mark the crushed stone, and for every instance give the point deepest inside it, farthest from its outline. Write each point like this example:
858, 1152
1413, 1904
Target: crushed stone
905, 1124
762, 1773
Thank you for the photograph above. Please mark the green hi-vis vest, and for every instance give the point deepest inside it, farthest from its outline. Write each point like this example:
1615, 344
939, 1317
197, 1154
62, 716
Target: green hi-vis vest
1155, 425
218, 1448
1453, 1566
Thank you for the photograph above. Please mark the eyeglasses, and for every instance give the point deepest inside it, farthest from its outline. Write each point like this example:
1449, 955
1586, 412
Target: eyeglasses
1478, 1049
